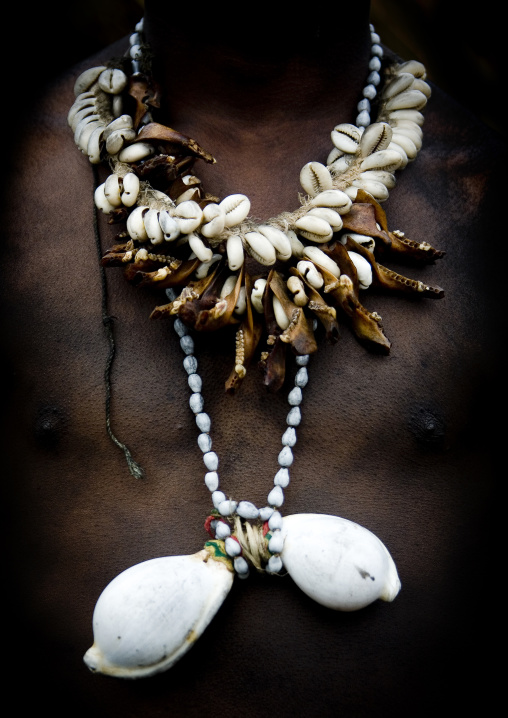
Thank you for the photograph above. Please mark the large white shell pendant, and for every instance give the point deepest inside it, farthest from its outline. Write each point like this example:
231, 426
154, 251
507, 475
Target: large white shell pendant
337, 562
153, 612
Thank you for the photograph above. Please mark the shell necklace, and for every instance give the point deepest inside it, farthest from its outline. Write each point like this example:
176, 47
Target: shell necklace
177, 236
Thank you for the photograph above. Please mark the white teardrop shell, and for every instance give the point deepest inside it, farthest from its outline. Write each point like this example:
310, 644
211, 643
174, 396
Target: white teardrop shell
337, 562
153, 612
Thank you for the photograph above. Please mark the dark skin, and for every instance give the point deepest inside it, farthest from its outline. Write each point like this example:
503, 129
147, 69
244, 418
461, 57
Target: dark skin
404, 444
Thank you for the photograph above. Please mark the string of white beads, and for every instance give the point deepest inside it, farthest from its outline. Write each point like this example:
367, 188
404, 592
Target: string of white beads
373, 80
227, 507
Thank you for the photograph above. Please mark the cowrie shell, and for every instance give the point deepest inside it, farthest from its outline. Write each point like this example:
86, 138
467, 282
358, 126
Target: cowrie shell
261, 248
87, 79
93, 147
394, 147
130, 183
375, 138
413, 115
234, 251
346, 137
363, 269
279, 240
189, 216
311, 273
152, 226
280, 314
367, 242
329, 215
417, 69
400, 83
388, 160
137, 151
112, 190
214, 219
86, 101
377, 189
314, 228
135, 224
82, 119
169, 226
101, 201
322, 259
386, 178
297, 247
228, 286
256, 295
315, 178
408, 100
112, 81
334, 199
406, 143
423, 86
236, 208
124, 122
202, 252
410, 133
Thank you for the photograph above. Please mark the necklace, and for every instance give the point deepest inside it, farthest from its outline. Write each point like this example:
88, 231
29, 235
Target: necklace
177, 236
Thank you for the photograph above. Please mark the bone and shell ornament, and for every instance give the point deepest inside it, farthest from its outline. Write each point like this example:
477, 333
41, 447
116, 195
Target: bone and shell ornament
161, 207
151, 614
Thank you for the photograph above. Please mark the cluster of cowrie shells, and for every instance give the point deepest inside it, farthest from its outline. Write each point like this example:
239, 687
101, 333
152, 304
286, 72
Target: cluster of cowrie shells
364, 156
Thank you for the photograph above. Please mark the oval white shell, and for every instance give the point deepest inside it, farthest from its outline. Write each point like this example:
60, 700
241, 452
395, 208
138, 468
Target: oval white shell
315, 178
152, 613
236, 208
337, 562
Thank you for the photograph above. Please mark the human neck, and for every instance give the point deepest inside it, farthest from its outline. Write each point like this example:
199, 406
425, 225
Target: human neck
263, 100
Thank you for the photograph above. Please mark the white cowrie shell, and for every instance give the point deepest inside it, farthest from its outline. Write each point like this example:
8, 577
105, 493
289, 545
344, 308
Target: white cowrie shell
130, 192
280, 314
87, 102
377, 189
117, 106
334, 199
422, 86
311, 274
417, 69
241, 302
314, 228
394, 147
124, 122
93, 148
322, 259
411, 134
400, 83
135, 224
297, 247
81, 119
330, 216
386, 178
346, 137
388, 160
406, 143
202, 252
228, 286
169, 226
407, 126
86, 132
100, 200
112, 190
234, 250
256, 296
334, 155
87, 79
367, 242
363, 269
214, 219
152, 226
117, 139
204, 267
413, 115
315, 178
351, 192
236, 208
341, 164
279, 240
375, 138
261, 248
295, 286
112, 81
189, 216
137, 151
408, 100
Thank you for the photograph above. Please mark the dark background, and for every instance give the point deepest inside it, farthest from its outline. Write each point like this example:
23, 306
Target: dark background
461, 49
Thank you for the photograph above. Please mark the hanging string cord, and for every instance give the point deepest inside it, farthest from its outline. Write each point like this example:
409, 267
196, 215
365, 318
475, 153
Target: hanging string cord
253, 543
107, 320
